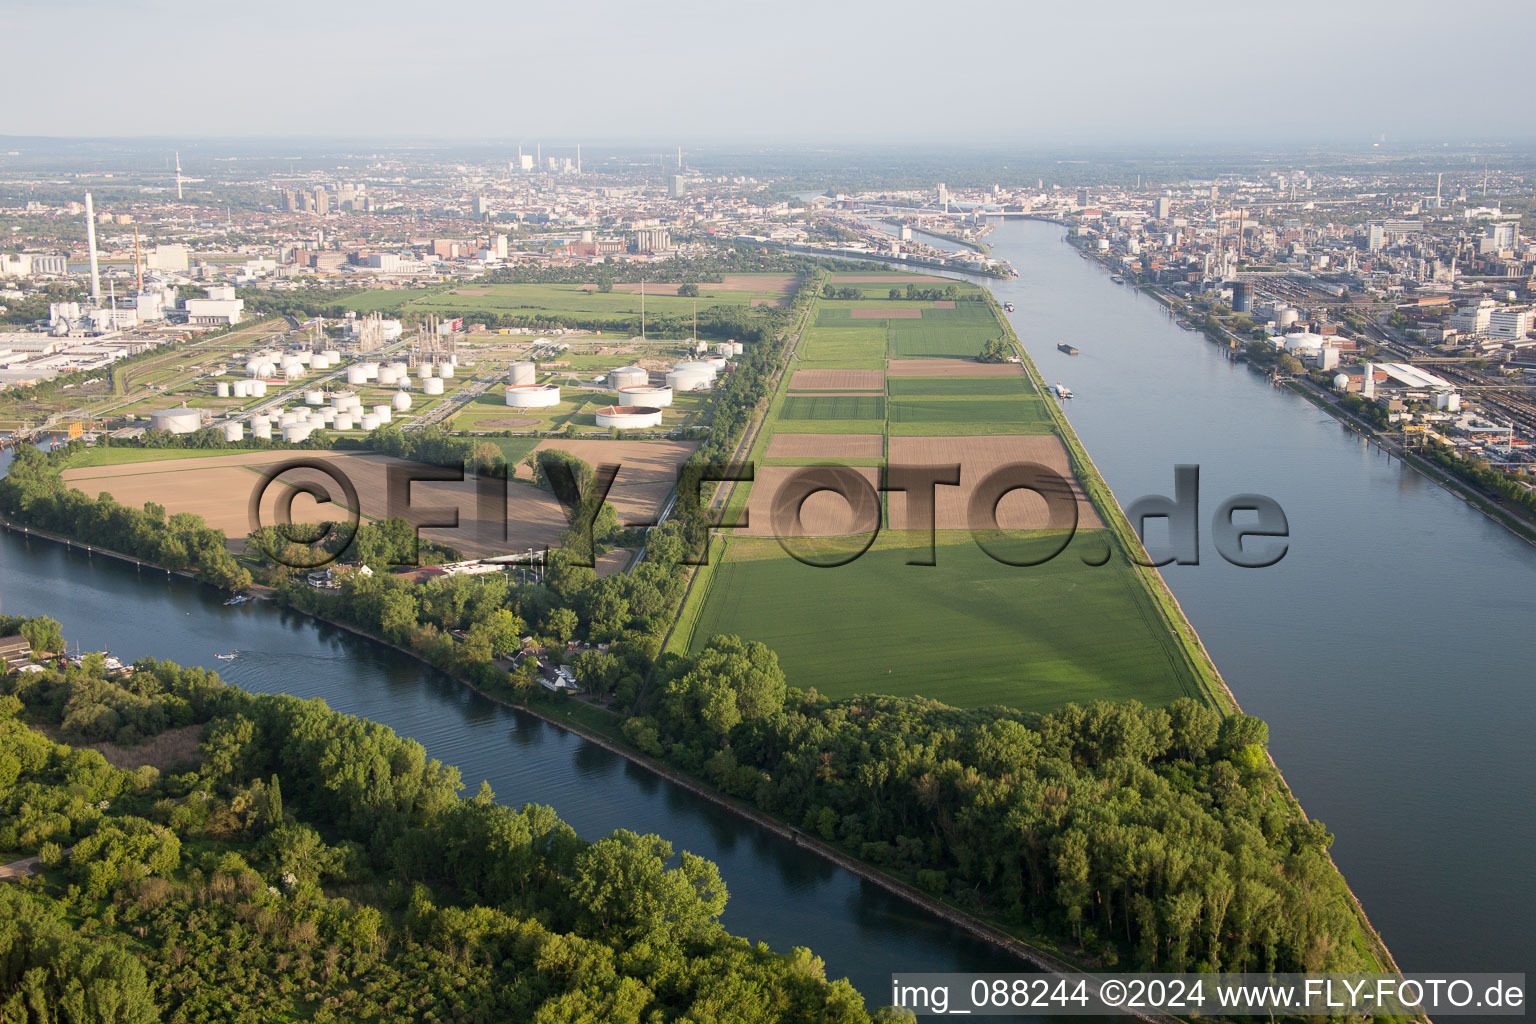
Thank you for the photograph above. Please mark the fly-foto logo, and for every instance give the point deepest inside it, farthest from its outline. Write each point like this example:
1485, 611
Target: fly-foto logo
1248, 530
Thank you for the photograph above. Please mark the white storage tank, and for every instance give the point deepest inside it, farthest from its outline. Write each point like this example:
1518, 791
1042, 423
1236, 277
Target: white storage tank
401, 369
221, 389
524, 372
432, 386
294, 432
660, 397
319, 362
332, 354
718, 362
251, 367
242, 389
533, 396
342, 399
633, 417
287, 419
292, 371
317, 420
177, 421
314, 396
725, 349
371, 371
234, 430
445, 371
356, 375
401, 402
261, 427
382, 412
737, 348
369, 422
424, 371
691, 375
388, 376
344, 422
328, 414
266, 370
628, 377
258, 389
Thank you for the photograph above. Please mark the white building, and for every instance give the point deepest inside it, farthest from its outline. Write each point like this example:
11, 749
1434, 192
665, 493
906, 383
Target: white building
1473, 319
1511, 322
168, 257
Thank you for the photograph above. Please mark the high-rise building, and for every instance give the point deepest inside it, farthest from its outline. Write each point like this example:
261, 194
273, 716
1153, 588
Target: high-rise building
1164, 207
1512, 323
322, 202
1082, 197
499, 246
1375, 237
675, 187
482, 207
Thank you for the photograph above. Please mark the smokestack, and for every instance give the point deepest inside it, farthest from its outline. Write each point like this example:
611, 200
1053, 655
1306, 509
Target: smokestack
90, 241
578, 158
178, 175
138, 268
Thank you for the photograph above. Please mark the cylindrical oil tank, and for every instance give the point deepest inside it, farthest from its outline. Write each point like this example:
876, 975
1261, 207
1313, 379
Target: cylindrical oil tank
388, 376
177, 421
633, 417
234, 430
242, 389
319, 362
317, 420
424, 370
333, 355
328, 414
401, 401
369, 422
261, 427
533, 396
344, 422
432, 386
314, 396
718, 362
258, 389
628, 377
357, 375
292, 371
297, 432
737, 348
445, 371
287, 419
524, 372
221, 389
342, 399
690, 376
660, 397
382, 412
371, 370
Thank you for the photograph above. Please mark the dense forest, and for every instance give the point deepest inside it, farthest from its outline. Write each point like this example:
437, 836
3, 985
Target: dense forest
297, 863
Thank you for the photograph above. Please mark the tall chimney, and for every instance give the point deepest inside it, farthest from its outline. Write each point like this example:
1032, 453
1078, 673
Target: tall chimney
90, 241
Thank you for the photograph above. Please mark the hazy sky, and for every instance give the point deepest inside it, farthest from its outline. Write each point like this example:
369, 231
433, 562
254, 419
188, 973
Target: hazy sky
1071, 72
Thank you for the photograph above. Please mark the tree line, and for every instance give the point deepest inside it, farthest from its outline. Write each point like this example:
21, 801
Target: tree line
302, 863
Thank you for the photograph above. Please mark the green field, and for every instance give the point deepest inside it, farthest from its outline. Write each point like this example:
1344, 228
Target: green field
914, 339
920, 417
968, 631
833, 407
859, 348
564, 299
956, 387
122, 456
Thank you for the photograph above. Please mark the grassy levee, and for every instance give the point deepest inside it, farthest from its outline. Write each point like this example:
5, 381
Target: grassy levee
1195, 657
1193, 651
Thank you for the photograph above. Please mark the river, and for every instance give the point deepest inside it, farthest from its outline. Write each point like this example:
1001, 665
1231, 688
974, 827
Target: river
1390, 650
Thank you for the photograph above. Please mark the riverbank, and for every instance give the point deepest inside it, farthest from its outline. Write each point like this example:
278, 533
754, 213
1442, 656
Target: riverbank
1036, 955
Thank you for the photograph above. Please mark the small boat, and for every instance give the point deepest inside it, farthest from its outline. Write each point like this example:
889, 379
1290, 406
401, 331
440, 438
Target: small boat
1008, 307
1068, 349
227, 657
237, 599
1060, 390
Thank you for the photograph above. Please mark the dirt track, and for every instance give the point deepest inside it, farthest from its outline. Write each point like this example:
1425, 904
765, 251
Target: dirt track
837, 380
977, 457
885, 313
950, 368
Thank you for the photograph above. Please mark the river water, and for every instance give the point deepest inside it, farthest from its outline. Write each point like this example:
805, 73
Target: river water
1391, 650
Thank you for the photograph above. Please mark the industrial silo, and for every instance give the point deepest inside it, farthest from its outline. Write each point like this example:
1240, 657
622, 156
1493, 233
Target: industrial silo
343, 422
445, 371
221, 389
234, 430
690, 375
261, 427
432, 386
357, 375
524, 372
533, 396
295, 432
314, 396
628, 377
382, 413
369, 422
660, 397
